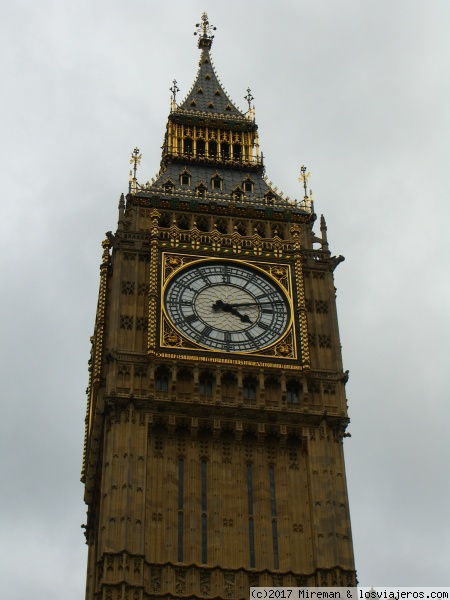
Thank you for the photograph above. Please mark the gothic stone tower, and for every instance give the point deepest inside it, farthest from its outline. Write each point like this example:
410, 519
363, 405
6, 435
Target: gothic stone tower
216, 404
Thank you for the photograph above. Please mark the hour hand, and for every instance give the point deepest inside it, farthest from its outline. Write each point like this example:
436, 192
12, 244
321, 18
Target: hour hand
244, 318
229, 308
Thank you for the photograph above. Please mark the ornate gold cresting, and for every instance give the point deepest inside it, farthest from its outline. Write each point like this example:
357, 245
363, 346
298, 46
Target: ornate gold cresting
301, 305
155, 215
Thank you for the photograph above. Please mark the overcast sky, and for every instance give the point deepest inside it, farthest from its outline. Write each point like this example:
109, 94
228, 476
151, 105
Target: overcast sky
358, 91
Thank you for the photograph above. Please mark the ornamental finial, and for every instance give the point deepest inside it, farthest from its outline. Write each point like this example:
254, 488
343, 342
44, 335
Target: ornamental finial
174, 89
249, 97
204, 31
304, 176
135, 161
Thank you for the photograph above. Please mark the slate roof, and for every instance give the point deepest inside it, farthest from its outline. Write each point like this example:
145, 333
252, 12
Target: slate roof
207, 92
231, 178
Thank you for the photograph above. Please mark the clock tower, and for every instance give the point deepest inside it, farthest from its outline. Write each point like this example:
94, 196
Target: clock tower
216, 406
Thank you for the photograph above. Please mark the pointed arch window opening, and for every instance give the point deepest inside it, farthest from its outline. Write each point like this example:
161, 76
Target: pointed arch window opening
293, 392
248, 185
185, 177
225, 150
216, 182
203, 225
200, 147
169, 186
164, 220
188, 146
212, 148
249, 388
201, 190
222, 226
238, 194
162, 379
206, 384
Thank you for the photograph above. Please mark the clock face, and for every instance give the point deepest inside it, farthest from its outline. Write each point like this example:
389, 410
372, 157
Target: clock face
226, 306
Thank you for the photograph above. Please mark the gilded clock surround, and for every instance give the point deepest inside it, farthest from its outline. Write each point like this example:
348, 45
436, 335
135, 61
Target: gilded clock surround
208, 472
281, 274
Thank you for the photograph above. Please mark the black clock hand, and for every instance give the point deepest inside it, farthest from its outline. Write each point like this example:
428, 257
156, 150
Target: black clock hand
219, 305
256, 303
244, 318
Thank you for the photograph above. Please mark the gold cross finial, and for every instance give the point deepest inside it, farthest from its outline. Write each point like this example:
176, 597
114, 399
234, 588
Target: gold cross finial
249, 97
205, 28
304, 176
174, 89
136, 159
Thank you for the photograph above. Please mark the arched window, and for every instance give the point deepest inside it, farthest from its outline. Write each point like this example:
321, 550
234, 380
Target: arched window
241, 228
259, 229
225, 150
184, 382
249, 387
272, 389
184, 223
162, 379
293, 391
200, 147
238, 193
222, 226
185, 177
205, 383
229, 386
200, 190
237, 151
270, 197
187, 146
202, 224
212, 148
165, 220
169, 186
216, 182
248, 185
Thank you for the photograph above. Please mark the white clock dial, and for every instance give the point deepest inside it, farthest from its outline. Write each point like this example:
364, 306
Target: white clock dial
226, 306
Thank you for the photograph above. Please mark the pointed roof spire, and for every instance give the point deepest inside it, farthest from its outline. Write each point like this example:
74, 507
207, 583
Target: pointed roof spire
207, 94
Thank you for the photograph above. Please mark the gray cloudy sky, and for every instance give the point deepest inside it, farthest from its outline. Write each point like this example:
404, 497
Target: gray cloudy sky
358, 91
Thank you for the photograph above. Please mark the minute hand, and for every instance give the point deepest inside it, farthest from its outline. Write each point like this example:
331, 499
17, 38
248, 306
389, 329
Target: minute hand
256, 303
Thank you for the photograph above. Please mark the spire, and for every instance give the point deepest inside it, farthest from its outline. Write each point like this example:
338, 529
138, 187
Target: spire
207, 94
